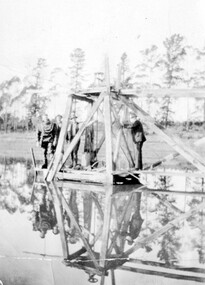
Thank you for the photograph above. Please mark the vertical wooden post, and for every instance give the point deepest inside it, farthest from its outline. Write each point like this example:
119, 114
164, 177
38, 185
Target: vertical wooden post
59, 150
117, 145
108, 125
59, 216
109, 168
76, 225
113, 276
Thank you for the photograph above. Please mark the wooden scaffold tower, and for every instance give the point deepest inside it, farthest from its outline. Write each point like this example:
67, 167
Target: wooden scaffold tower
112, 179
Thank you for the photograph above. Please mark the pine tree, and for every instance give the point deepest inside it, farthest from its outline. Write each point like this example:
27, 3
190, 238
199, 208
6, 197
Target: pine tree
175, 51
198, 184
147, 73
37, 104
125, 72
78, 62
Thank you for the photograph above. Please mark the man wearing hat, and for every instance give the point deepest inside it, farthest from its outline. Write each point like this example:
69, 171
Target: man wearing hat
138, 138
46, 135
72, 131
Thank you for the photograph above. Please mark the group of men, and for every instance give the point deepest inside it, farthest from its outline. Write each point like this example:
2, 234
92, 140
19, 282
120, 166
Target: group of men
48, 135
49, 132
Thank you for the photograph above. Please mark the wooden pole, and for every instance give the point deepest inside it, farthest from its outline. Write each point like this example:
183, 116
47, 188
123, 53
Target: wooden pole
166, 274
113, 276
174, 142
108, 126
75, 223
117, 147
60, 220
109, 168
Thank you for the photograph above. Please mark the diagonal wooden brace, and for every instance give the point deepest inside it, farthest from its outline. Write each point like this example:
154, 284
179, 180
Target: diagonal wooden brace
75, 223
173, 141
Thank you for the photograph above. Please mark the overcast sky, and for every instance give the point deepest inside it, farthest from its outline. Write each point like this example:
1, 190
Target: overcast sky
53, 28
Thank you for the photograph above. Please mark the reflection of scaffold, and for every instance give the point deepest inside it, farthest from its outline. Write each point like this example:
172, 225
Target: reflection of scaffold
111, 179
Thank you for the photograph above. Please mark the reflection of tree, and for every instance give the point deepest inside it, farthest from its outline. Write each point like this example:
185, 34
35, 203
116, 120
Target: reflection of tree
70, 229
199, 220
14, 188
169, 243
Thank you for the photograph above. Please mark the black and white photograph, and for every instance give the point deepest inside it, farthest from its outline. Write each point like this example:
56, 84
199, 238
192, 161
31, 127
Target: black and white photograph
102, 142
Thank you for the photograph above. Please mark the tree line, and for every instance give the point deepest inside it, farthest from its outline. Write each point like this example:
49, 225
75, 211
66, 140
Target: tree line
176, 65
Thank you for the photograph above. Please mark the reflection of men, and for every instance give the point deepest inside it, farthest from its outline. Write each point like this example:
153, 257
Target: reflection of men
72, 131
138, 138
45, 218
46, 135
134, 227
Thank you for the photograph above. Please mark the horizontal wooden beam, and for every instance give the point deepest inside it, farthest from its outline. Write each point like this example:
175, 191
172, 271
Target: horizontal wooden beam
162, 92
85, 176
169, 266
171, 173
90, 187
173, 192
167, 274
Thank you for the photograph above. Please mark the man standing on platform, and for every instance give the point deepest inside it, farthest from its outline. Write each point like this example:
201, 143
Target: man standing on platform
138, 137
72, 131
46, 136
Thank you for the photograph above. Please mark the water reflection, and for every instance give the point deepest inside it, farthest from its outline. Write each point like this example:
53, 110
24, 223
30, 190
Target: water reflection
65, 229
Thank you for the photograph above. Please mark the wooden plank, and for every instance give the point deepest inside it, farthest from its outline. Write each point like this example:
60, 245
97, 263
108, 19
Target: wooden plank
164, 201
83, 98
160, 191
117, 147
169, 173
33, 157
85, 176
109, 169
60, 147
90, 187
157, 272
75, 223
106, 223
162, 92
108, 126
81, 130
169, 266
113, 276
143, 241
60, 219
173, 141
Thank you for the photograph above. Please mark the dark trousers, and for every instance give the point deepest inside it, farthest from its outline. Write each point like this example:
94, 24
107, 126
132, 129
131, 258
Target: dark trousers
74, 154
138, 163
48, 151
